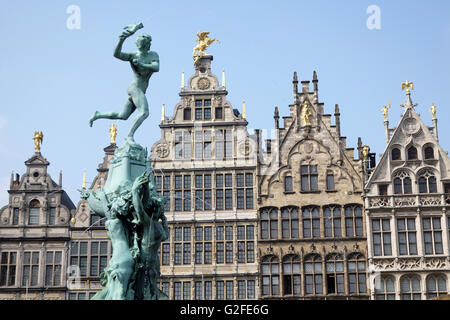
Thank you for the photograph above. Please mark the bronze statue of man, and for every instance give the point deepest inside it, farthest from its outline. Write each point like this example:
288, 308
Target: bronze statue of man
143, 63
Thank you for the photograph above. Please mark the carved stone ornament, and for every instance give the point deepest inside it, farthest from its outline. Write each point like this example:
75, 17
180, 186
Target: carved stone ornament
203, 83
217, 100
410, 126
162, 150
245, 148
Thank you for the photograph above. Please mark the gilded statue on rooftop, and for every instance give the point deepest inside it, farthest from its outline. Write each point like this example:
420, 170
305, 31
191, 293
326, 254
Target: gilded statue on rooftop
203, 42
306, 114
385, 111
38, 137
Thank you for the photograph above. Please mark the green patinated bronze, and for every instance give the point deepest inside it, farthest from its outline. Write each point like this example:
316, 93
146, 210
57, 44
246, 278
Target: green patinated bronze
129, 202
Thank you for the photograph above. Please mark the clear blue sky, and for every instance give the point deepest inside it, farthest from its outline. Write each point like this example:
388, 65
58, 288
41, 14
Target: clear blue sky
52, 78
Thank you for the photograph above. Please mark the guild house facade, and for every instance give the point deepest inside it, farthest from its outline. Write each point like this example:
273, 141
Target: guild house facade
311, 240
406, 200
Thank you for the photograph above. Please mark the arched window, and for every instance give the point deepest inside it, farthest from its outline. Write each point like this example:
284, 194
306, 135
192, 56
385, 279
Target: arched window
427, 182
396, 154
429, 153
311, 222
332, 221
291, 275
353, 221
356, 266
269, 223
313, 274
436, 286
35, 206
410, 288
270, 276
412, 153
289, 223
288, 184
335, 274
385, 288
402, 183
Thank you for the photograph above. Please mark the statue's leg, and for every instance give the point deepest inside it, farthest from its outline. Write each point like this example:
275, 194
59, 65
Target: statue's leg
140, 101
123, 115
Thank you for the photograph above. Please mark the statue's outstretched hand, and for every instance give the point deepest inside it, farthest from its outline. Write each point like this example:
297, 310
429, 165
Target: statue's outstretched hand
125, 34
139, 182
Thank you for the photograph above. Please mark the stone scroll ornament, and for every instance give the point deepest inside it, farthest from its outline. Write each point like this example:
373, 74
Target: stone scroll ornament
129, 202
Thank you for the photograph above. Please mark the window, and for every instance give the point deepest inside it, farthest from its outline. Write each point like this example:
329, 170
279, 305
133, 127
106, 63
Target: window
203, 109
224, 244
223, 144
412, 153
407, 241
79, 256
311, 222
270, 276
97, 221
241, 289
8, 269
410, 288
203, 245
291, 275
330, 181
245, 244
162, 184
447, 188
208, 290
436, 286
203, 144
165, 254
396, 154
182, 193
289, 223
187, 113
356, 268
250, 289
224, 192
432, 235
51, 216
203, 191
182, 251
219, 113
353, 221
98, 257
269, 224
230, 289
332, 221
384, 288
165, 286
427, 182
15, 220
429, 153
244, 191
77, 296
381, 233
198, 290
288, 184
335, 274
34, 212
186, 290
177, 290
402, 183
382, 190
30, 269
220, 288
313, 274
309, 177
183, 144
229, 257
53, 268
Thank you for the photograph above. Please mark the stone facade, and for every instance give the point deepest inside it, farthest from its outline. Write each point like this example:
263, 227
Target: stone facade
406, 200
311, 242
35, 235
205, 165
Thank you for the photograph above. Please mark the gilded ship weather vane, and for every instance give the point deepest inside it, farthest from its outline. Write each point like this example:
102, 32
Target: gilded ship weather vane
203, 42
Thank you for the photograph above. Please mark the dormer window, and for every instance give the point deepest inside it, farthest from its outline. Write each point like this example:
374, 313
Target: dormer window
412, 153
429, 153
396, 155
203, 109
34, 212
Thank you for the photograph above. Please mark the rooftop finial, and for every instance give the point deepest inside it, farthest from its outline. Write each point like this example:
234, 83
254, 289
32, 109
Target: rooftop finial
163, 112
203, 42
38, 137
433, 110
244, 115
182, 80
84, 180
385, 111
113, 133
223, 78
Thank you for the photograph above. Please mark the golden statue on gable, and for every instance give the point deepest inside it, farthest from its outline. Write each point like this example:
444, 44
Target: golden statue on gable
385, 111
306, 114
38, 137
203, 42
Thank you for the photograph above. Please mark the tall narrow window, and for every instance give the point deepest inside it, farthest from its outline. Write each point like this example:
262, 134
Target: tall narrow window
309, 178
53, 268
289, 223
288, 184
436, 286
269, 224
187, 113
356, 268
15, 221
353, 221
219, 113
186, 290
432, 234
34, 212
223, 144
220, 290
8, 269
51, 216
332, 221
427, 182
396, 155
270, 276
429, 153
311, 222
330, 181
291, 275
230, 289
407, 241
30, 275
335, 274
381, 233
313, 274
402, 183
